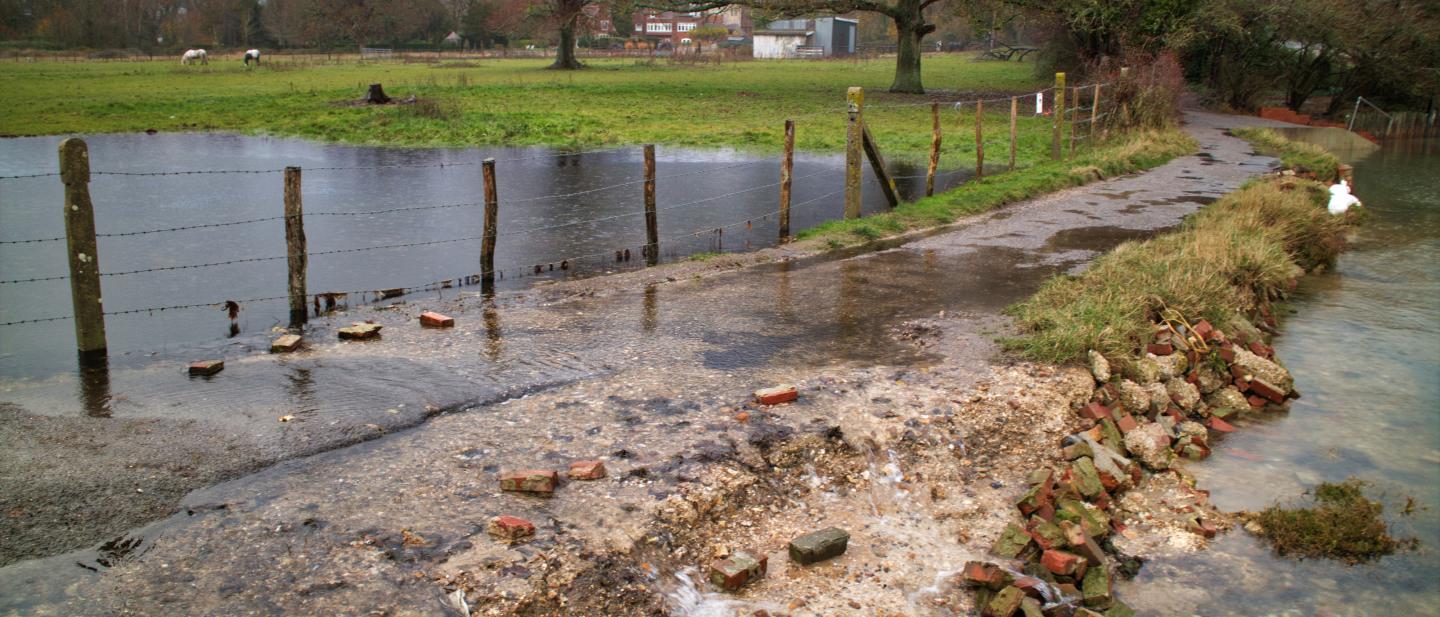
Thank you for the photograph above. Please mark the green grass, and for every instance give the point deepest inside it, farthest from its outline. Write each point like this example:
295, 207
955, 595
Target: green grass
516, 102
1300, 157
1140, 151
1341, 523
1226, 260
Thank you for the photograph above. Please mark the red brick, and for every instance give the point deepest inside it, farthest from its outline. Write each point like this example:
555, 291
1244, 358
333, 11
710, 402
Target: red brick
1227, 354
1263, 388
586, 470
1031, 586
436, 320
1256, 401
510, 528
1094, 411
1261, 349
1216, 424
1160, 349
777, 395
207, 367
1203, 329
529, 481
1126, 422
982, 574
1060, 562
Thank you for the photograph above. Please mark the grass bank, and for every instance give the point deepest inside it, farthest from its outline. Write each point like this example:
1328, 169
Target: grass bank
1140, 151
1300, 157
1229, 259
518, 102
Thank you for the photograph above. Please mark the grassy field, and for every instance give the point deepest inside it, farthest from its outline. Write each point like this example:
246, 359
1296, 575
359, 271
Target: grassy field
518, 102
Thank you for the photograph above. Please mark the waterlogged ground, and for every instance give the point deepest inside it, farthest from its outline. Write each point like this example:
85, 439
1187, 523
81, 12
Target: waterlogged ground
1364, 347
651, 371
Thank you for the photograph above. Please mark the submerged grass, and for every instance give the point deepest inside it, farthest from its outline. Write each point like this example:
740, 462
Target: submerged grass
1300, 157
1232, 256
1139, 151
1341, 523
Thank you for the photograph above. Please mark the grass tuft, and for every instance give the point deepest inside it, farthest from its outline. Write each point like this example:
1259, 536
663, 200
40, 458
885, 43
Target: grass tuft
1300, 157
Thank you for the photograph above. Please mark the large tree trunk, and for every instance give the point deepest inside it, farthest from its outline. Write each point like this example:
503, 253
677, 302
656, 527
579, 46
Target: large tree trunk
565, 55
910, 28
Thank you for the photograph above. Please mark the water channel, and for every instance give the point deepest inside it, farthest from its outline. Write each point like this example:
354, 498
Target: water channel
725, 198
1364, 346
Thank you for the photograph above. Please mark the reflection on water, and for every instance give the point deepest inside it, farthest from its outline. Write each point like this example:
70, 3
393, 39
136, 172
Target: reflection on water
574, 233
1364, 345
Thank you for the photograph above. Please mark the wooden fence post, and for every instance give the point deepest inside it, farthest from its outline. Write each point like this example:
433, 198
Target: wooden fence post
490, 231
1057, 116
934, 149
652, 228
787, 168
979, 139
854, 137
1014, 114
1074, 117
1094, 115
80, 243
877, 165
295, 255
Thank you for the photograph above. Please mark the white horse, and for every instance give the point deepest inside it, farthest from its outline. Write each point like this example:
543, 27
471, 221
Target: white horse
194, 55
253, 54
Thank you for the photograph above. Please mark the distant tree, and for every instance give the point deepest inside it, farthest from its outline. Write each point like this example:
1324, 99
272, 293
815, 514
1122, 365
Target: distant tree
566, 15
709, 34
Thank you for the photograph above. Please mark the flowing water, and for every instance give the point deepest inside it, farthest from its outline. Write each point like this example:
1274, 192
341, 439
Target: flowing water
1364, 346
708, 201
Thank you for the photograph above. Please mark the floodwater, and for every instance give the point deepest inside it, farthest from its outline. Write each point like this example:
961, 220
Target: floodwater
707, 200
1364, 346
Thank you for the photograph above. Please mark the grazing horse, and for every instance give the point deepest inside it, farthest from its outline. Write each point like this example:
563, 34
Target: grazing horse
194, 55
253, 54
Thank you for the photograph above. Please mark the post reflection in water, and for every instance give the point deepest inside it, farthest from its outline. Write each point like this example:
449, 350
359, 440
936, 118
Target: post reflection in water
95, 387
300, 385
782, 291
650, 314
494, 346
849, 308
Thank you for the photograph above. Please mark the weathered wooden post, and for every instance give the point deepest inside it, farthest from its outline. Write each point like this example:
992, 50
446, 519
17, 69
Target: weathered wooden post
787, 167
934, 149
1057, 116
652, 228
1094, 114
1014, 115
295, 254
491, 230
979, 139
85, 294
1074, 117
854, 138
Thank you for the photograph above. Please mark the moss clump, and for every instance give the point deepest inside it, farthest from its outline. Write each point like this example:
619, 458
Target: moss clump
1340, 524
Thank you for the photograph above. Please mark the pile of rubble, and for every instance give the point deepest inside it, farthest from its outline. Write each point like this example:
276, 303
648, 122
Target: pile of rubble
1191, 381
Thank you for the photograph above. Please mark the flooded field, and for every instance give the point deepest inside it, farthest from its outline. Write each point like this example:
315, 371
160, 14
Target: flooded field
554, 208
1364, 345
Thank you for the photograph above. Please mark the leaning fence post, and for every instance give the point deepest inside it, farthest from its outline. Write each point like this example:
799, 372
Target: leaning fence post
979, 139
1094, 115
295, 254
652, 229
489, 233
787, 166
1014, 113
934, 149
80, 244
854, 139
1057, 116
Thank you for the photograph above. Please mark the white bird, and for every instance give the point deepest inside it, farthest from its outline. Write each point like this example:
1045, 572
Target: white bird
1341, 199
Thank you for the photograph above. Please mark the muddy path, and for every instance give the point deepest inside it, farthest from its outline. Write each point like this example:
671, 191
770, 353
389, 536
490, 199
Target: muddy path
650, 371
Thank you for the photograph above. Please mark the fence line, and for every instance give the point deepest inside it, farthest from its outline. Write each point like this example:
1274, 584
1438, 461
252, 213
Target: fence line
1061, 119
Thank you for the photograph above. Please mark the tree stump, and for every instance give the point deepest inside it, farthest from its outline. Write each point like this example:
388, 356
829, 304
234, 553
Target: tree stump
376, 95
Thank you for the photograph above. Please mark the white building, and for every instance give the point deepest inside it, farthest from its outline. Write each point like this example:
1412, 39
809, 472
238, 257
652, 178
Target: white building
824, 37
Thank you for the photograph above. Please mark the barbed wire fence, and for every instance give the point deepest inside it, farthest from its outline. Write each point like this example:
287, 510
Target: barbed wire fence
990, 119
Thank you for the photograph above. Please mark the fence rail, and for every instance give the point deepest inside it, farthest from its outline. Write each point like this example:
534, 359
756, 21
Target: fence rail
85, 276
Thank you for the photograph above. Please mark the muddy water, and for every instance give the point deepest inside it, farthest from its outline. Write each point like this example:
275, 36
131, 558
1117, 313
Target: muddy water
334, 200
1364, 346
